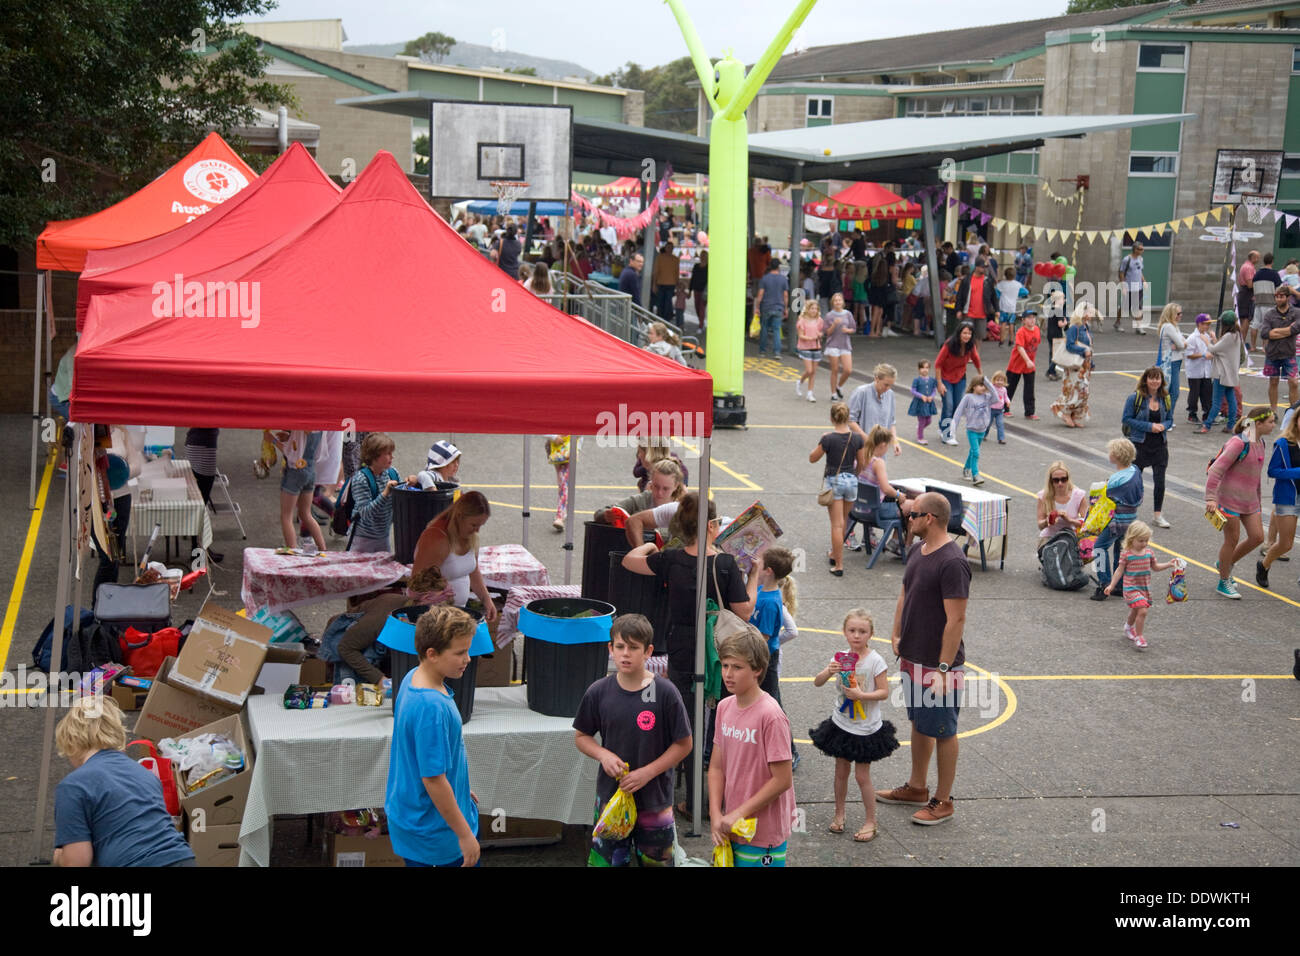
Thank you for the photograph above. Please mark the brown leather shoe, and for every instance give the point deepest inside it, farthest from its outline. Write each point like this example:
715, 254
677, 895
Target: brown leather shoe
936, 811
904, 794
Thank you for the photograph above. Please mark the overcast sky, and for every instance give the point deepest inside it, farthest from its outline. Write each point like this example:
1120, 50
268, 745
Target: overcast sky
604, 36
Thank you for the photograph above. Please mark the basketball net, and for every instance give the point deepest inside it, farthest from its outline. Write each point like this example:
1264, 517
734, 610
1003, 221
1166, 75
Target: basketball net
507, 192
1256, 207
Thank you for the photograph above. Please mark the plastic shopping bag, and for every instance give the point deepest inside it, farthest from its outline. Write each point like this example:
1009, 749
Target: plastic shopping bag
619, 816
754, 326
723, 855
1177, 584
1100, 511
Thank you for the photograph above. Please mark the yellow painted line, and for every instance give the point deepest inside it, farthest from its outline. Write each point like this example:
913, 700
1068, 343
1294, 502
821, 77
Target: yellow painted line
721, 466
534, 507
25, 563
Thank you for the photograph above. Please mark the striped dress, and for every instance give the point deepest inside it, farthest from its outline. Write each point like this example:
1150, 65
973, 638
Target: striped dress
1137, 577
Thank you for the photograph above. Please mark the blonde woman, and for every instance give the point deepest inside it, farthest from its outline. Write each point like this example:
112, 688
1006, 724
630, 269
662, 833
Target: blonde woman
1061, 505
1072, 406
450, 543
1172, 348
808, 329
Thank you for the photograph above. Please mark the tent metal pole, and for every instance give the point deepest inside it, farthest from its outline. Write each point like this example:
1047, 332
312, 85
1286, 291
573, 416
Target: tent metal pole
568, 517
696, 795
796, 259
37, 335
56, 656
527, 462
932, 265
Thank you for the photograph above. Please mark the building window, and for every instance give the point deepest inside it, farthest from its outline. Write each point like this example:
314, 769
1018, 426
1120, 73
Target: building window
1153, 164
1149, 239
1162, 56
1291, 165
820, 107
1288, 237
1019, 104
1295, 59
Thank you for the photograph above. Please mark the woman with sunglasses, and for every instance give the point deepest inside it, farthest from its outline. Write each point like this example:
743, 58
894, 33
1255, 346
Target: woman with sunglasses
1173, 347
1232, 491
1061, 506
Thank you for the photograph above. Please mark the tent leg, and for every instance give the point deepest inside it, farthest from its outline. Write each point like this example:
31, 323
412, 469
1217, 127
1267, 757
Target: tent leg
932, 265
568, 517
527, 462
696, 796
796, 259
38, 332
55, 684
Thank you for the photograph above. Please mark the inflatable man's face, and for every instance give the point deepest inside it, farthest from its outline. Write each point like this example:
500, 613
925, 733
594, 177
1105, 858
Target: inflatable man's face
728, 74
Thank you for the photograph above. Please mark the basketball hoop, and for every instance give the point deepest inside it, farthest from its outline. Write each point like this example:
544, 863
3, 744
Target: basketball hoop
1257, 206
507, 191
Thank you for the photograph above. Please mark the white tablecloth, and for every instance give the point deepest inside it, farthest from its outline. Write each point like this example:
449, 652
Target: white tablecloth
315, 761
187, 518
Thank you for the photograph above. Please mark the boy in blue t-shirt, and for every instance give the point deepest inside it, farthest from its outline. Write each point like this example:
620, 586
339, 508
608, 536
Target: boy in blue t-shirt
772, 588
432, 813
1124, 487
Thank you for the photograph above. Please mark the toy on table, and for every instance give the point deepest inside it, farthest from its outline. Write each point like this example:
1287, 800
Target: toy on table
619, 816
297, 697
343, 694
848, 662
370, 695
1177, 583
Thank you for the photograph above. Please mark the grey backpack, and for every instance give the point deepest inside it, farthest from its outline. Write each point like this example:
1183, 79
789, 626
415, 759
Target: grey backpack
1060, 563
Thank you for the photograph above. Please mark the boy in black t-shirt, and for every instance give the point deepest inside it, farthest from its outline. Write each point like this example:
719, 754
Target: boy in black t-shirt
644, 734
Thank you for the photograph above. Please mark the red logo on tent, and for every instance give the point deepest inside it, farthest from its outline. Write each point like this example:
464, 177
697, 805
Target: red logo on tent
213, 180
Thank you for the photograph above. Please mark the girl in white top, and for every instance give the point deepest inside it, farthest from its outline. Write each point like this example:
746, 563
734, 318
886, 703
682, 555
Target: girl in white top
854, 732
1061, 506
664, 342
1172, 348
838, 327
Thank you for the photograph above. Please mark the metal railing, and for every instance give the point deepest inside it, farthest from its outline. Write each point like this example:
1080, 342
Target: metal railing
607, 309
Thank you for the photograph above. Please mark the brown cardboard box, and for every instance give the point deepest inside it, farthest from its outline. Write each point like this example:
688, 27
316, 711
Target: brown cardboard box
128, 698
215, 846
362, 851
509, 831
496, 669
222, 656
169, 711
315, 671
222, 803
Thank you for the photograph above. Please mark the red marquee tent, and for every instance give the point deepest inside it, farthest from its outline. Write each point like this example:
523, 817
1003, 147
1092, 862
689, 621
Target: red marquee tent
381, 314
292, 193
628, 186
199, 183
864, 201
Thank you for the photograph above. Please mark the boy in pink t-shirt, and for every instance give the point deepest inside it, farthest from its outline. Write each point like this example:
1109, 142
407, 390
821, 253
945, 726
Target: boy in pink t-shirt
750, 772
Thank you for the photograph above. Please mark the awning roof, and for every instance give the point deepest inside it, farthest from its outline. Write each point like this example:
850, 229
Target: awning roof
906, 149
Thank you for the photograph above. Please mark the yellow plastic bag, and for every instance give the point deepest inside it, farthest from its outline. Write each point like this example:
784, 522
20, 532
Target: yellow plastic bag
1099, 514
723, 856
754, 326
619, 816
746, 828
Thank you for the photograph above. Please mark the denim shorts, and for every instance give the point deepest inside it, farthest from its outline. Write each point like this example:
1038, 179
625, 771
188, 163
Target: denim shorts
297, 480
931, 715
831, 352
1280, 368
845, 485
1292, 511
812, 355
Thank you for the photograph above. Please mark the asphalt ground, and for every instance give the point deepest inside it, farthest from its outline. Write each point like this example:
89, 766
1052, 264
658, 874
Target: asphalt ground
1076, 749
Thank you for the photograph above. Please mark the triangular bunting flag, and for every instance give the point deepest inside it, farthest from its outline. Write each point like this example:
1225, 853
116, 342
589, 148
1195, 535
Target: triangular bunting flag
1188, 220
952, 201
1051, 235
998, 222
1105, 235
1291, 220
1091, 234
1159, 228
1216, 212
1040, 232
1201, 217
1175, 224
1277, 214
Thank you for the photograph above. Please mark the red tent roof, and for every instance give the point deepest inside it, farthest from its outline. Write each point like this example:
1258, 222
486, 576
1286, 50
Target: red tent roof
863, 201
629, 186
292, 193
378, 313
207, 177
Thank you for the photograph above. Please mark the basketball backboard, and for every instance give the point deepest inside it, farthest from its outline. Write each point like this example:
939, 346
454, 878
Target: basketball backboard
1246, 172
473, 145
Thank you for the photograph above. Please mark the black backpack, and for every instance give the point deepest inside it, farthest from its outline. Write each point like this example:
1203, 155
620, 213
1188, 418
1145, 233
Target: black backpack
341, 520
44, 648
1060, 564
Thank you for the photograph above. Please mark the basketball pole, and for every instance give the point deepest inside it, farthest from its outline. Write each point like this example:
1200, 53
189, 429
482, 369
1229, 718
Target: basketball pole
1227, 259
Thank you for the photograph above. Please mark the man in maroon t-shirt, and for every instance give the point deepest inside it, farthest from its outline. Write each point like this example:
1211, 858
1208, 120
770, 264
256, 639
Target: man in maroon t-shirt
927, 638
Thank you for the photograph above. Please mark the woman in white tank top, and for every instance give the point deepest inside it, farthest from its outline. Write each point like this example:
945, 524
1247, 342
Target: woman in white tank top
450, 543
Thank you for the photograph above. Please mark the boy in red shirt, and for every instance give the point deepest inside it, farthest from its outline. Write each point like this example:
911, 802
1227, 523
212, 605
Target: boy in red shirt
1021, 364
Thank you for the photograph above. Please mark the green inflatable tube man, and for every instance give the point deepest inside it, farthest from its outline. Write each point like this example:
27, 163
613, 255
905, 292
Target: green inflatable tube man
729, 92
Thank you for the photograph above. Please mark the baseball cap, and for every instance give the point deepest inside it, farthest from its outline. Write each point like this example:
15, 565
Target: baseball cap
442, 453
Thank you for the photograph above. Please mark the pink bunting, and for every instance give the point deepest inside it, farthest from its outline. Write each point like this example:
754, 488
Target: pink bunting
1291, 220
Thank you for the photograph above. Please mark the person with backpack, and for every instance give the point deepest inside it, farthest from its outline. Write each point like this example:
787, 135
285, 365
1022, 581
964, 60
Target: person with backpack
1148, 416
1061, 505
1232, 492
371, 494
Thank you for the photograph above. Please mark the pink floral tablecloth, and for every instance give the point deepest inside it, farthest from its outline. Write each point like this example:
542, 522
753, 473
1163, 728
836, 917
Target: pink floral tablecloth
511, 566
281, 581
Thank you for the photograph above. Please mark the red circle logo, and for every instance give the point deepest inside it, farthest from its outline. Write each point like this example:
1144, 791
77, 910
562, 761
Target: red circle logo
645, 720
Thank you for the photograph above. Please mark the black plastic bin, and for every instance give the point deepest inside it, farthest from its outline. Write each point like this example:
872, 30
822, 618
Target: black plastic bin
462, 687
413, 509
563, 655
644, 594
598, 540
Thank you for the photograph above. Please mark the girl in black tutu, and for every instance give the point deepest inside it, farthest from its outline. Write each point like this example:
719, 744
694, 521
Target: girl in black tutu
854, 733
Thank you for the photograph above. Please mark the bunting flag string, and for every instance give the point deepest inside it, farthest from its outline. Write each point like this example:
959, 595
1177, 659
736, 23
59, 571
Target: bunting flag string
1046, 187
625, 226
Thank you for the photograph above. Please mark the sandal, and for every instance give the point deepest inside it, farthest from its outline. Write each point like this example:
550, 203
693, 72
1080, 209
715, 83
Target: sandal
837, 826
684, 811
870, 834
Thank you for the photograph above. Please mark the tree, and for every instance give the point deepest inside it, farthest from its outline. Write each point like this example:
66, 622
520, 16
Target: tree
669, 103
421, 150
103, 95
431, 46
1089, 6
522, 70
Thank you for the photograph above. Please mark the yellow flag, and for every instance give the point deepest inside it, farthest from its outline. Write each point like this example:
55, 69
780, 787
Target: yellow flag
1175, 224
1051, 235
1201, 217
1105, 235
1159, 228
1039, 231
1216, 212
998, 223
1091, 234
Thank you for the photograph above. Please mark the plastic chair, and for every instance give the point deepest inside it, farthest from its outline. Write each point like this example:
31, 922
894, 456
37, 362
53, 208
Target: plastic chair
958, 509
868, 515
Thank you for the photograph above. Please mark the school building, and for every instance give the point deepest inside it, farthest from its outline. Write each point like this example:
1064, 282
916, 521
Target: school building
1235, 64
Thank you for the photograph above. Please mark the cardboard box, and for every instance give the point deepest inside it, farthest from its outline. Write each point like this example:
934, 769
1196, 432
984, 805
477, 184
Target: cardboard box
315, 671
129, 698
216, 845
223, 802
518, 831
170, 711
222, 656
352, 851
496, 669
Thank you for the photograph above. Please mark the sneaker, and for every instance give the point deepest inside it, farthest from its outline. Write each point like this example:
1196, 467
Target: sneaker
1160, 522
1261, 574
890, 334
1007, 414
1193, 420
812, 397
798, 388
934, 812
950, 440
1140, 642
976, 480
851, 543
839, 395
905, 794
1227, 589
1099, 594
1031, 418
922, 441
1002, 441
965, 473
1203, 430
1130, 633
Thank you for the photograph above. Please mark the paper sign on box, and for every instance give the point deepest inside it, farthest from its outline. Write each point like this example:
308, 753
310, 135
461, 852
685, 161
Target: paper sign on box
222, 656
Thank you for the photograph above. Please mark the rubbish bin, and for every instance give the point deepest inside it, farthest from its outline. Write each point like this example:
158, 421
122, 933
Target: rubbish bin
398, 636
598, 540
644, 594
413, 509
563, 654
